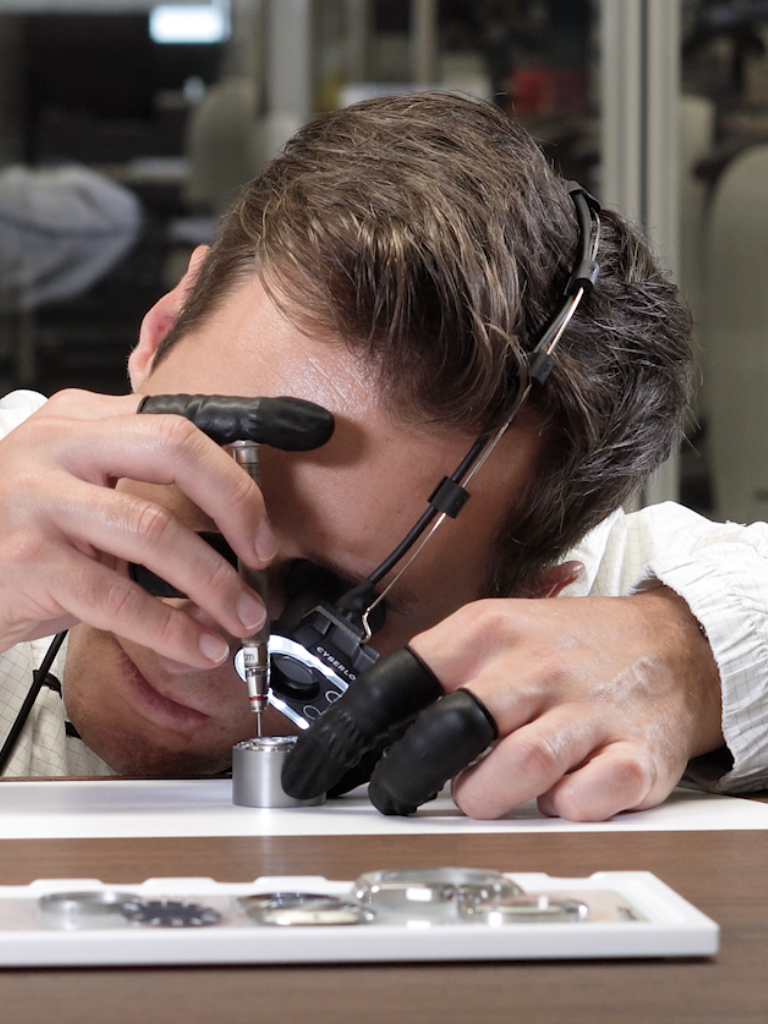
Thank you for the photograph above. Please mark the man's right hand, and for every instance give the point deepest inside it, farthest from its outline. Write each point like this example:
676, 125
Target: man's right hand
67, 532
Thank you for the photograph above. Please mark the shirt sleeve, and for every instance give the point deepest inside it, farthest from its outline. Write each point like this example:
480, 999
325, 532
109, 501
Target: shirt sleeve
43, 747
16, 406
721, 571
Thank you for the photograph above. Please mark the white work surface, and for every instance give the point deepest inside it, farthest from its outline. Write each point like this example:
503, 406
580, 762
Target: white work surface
116, 808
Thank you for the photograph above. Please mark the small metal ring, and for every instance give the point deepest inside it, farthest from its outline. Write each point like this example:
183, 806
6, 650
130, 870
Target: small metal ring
433, 892
87, 909
531, 909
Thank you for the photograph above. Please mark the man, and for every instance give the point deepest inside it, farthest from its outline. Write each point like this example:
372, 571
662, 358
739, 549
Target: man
395, 265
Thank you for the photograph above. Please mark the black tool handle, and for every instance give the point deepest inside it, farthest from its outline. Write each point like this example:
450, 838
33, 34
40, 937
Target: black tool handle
291, 424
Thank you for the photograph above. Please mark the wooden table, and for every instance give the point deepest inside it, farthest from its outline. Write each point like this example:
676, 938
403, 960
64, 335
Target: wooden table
725, 874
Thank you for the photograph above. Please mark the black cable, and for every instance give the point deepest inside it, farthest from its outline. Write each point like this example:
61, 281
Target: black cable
413, 535
582, 281
38, 679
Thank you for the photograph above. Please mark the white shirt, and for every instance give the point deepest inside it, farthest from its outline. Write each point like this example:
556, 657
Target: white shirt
43, 749
62, 229
721, 571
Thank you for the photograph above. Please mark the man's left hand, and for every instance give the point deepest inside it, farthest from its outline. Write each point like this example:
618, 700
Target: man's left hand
599, 703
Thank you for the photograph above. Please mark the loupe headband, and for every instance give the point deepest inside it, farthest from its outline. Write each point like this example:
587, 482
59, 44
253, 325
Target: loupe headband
450, 496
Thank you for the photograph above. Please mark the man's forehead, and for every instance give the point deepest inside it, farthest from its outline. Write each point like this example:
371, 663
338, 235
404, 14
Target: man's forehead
249, 346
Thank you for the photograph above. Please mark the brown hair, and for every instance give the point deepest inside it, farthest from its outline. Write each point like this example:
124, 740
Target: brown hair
430, 233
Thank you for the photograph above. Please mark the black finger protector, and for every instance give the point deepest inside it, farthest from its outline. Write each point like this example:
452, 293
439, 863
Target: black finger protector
292, 424
444, 739
391, 691
361, 773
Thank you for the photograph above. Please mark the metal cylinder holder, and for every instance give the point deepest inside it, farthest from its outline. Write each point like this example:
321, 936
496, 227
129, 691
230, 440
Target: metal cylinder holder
257, 766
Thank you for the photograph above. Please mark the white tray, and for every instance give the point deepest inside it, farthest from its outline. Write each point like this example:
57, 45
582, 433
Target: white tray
665, 925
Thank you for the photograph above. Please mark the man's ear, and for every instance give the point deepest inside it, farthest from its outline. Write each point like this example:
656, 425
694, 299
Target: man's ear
550, 581
160, 319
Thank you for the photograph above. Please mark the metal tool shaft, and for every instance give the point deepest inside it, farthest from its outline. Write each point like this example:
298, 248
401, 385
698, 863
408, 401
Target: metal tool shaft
255, 651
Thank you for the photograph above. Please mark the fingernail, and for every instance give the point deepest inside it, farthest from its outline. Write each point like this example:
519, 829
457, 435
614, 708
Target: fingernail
214, 648
266, 545
251, 613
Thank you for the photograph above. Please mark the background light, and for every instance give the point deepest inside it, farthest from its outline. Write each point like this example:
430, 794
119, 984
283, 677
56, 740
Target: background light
188, 23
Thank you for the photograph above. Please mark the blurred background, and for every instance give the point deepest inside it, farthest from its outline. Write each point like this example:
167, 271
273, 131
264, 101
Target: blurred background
127, 127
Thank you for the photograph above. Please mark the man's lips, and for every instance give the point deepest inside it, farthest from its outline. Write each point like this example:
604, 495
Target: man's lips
152, 701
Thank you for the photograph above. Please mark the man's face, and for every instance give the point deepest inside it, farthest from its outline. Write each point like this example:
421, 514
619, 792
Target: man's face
344, 506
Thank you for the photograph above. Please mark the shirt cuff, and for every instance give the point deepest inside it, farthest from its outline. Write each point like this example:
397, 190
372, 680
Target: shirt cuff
729, 603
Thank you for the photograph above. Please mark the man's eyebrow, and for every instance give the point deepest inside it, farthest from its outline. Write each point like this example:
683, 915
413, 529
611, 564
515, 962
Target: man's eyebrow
401, 600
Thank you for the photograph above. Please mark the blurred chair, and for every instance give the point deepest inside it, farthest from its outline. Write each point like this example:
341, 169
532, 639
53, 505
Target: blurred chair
62, 230
222, 144
736, 337
697, 139
697, 142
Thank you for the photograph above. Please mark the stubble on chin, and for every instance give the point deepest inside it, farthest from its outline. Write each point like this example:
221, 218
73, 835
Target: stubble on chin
130, 747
